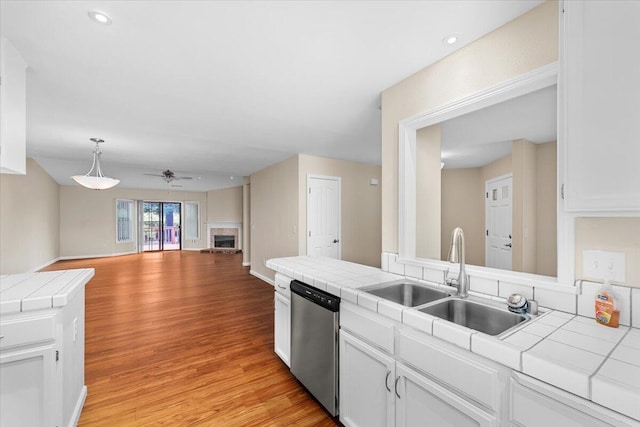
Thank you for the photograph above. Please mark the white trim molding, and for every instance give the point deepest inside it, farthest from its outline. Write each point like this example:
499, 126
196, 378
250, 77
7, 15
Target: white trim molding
262, 277
526, 83
69, 257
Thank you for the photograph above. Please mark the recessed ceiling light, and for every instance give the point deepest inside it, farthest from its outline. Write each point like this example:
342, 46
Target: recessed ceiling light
230, 177
450, 39
100, 17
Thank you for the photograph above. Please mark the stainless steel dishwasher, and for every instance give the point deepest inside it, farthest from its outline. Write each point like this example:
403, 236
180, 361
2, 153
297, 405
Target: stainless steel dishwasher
314, 342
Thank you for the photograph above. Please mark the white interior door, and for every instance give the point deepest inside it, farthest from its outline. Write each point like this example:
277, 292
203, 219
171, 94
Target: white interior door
499, 201
323, 216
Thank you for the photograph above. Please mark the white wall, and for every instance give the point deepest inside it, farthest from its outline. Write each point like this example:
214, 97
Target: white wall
29, 220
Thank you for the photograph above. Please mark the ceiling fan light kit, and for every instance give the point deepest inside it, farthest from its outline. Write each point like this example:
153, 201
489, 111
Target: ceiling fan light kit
97, 181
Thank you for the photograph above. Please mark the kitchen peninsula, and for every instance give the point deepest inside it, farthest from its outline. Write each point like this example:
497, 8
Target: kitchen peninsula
42, 347
577, 371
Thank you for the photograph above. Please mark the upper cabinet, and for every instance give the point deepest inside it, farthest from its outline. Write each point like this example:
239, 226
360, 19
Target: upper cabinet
600, 105
13, 124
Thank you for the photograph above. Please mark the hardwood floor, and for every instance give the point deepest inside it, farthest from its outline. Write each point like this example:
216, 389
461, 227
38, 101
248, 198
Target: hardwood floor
184, 338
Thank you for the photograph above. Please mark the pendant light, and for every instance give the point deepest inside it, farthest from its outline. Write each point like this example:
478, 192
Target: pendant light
97, 181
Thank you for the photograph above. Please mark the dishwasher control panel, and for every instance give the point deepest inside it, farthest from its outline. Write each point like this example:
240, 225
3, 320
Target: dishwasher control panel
320, 297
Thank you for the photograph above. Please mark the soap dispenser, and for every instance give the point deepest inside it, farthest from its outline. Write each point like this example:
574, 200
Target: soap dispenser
606, 311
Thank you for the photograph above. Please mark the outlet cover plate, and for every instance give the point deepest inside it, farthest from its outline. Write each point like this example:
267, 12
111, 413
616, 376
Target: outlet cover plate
603, 265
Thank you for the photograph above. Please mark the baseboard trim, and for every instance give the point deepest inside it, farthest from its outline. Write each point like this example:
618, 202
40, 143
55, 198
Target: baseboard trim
263, 278
46, 264
246, 264
194, 249
70, 257
75, 416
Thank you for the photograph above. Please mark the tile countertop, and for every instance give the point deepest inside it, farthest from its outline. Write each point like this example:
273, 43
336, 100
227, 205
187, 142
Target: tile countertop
37, 291
571, 352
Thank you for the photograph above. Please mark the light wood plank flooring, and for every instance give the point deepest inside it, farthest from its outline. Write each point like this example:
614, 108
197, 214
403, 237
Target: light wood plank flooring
184, 338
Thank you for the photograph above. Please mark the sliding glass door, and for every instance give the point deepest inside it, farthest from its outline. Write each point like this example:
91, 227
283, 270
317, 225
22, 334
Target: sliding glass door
161, 226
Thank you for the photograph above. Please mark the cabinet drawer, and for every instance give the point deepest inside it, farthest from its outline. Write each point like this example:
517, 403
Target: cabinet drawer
536, 403
27, 331
368, 325
282, 284
478, 381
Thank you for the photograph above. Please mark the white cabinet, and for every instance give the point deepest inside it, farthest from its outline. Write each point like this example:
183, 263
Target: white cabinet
392, 375
421, 401
600, 105
42, 348
29, 375
534, 403
282, 327
367, 380
282, 318
13, 124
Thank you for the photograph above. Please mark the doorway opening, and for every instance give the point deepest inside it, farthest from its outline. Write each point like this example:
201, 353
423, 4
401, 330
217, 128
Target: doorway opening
162, 226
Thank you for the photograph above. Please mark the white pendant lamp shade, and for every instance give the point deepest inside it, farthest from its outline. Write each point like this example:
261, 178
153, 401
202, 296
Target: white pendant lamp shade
97, 181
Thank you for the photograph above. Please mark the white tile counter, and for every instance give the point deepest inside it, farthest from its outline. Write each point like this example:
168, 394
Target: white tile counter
42, 330
37, 291
571, 352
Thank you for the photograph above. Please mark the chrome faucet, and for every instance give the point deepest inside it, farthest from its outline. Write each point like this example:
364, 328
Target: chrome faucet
456, 254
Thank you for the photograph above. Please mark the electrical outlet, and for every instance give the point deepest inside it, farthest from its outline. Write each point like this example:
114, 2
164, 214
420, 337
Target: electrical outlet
603, 265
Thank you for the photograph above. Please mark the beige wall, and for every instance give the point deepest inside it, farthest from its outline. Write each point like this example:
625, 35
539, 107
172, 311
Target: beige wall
225, 205
502, 166
29, 217
88, 225
428, 189
610, 234
274, 214
524, 206
546, 215
463, 206
524, 44
360, 204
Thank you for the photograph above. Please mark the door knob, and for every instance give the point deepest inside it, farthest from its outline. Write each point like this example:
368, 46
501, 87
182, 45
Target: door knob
508, 245
335, 240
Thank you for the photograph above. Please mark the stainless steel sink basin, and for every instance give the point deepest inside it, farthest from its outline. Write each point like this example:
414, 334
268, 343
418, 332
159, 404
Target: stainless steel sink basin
490, 320
408, 294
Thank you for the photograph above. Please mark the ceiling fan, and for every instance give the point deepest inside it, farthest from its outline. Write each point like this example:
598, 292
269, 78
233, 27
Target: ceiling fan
169, 176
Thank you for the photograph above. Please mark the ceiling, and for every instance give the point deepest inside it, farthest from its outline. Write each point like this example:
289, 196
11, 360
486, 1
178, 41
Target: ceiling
220, 89
478, 138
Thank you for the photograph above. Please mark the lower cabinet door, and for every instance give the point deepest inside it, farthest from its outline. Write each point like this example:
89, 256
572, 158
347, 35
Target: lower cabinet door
28, 387
366, 384
282, 327
422, 402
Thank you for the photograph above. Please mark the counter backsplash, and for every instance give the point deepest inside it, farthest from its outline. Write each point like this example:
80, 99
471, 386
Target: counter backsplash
577, 299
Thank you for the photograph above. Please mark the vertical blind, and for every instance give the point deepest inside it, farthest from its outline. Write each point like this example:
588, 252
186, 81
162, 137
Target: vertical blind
191, 220
124, 220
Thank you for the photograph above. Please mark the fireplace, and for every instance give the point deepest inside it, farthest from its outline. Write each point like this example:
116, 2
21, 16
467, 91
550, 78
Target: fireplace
224, 238
224, 242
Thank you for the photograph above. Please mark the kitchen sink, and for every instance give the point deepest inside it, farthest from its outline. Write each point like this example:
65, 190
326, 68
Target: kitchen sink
482, 318
408, 294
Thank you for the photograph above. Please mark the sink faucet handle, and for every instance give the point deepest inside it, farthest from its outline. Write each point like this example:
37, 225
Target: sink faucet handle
517, 303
